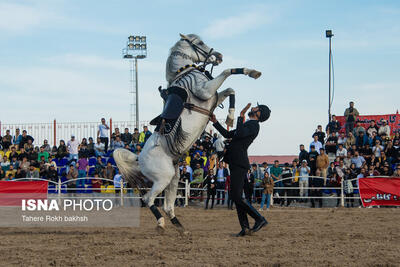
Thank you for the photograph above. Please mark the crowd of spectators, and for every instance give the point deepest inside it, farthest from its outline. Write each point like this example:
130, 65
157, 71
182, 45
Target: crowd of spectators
336, 155
19, 158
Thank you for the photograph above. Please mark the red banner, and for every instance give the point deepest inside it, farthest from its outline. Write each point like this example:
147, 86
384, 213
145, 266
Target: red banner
393, 121
12, 193
379, 191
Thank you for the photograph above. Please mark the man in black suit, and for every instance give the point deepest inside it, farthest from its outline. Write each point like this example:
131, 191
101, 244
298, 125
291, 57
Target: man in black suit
238, 160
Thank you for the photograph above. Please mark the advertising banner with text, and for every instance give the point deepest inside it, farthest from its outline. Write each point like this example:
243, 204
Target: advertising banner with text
379, 191
393, 121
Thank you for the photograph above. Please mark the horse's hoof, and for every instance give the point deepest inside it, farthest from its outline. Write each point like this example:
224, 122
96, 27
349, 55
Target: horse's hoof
183, 232
161, 225
255, 74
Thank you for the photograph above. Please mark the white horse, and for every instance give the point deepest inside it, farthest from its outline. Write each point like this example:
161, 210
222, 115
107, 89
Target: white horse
158, 161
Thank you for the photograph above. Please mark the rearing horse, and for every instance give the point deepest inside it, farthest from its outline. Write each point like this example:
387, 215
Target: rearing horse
158, 161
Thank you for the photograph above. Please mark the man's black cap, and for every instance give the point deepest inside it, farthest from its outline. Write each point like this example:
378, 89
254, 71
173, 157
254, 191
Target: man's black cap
265, 112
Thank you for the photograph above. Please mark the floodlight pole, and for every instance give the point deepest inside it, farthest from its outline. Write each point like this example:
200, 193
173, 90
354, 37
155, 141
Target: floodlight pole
137, 93
136, 48
329, 35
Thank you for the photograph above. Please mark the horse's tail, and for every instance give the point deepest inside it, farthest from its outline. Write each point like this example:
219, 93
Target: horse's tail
128, 165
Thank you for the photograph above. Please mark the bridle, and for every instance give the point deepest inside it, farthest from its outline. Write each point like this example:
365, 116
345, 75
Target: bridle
198, 50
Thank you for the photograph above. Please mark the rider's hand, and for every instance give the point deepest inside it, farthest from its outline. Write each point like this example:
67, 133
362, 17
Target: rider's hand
213, 119
243, 112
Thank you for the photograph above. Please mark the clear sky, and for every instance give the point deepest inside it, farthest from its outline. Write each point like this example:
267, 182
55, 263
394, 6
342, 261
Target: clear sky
62, 59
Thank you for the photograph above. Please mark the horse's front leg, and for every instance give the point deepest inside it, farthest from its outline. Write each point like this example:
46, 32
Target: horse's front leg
250, 72
221, 97
210, 87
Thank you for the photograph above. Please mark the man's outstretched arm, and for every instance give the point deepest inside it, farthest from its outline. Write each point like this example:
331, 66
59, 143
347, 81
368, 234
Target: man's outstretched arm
225, 133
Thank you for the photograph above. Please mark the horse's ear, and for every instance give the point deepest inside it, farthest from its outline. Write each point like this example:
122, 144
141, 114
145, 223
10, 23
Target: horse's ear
184, 36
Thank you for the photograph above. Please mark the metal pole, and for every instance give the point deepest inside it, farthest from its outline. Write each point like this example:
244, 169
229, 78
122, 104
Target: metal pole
186, 193
342, 194
330, 56
55, 132
132, 91
137, 93
122, 193
59, 191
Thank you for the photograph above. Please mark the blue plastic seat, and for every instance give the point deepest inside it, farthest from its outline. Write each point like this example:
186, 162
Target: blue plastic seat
92, 170
61, 170
92, 161
63, 161
112, 161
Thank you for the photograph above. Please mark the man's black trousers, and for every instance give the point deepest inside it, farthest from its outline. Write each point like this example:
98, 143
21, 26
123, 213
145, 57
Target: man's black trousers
238, 175
104, 140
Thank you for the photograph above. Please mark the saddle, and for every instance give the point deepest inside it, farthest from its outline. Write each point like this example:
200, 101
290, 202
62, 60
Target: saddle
174, 98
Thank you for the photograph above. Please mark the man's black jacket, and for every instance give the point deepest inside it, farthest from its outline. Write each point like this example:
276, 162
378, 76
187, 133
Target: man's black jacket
242, 137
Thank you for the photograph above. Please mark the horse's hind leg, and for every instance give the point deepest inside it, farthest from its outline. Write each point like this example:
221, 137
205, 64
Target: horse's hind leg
149, 198
170, 198
221, 97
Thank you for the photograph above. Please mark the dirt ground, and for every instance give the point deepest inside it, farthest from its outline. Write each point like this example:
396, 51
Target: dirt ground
294, 237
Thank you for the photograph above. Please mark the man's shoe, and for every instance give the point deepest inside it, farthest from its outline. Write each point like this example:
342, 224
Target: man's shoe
243, 232
259, 224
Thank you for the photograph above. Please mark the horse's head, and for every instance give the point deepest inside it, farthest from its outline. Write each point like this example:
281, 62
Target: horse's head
199, 51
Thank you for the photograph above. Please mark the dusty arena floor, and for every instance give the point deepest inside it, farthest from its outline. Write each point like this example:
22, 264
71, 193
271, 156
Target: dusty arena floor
294, 237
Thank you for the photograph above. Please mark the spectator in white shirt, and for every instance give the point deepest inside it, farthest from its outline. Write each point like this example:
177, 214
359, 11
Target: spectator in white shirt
341, 152
99, 148
342, 139
384, 130
219, 146
72, 147
377, 148
317, 144
103, 133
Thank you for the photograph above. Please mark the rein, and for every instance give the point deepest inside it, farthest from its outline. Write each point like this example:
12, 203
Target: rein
198, 109
191, 106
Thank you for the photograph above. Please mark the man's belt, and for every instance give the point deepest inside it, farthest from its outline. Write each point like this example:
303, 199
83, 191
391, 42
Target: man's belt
198, 109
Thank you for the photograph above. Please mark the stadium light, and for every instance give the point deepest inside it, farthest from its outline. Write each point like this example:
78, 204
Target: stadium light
136, 48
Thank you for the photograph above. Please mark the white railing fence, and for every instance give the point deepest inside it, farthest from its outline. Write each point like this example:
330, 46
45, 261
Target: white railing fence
187, 192
61, 189
56, 131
